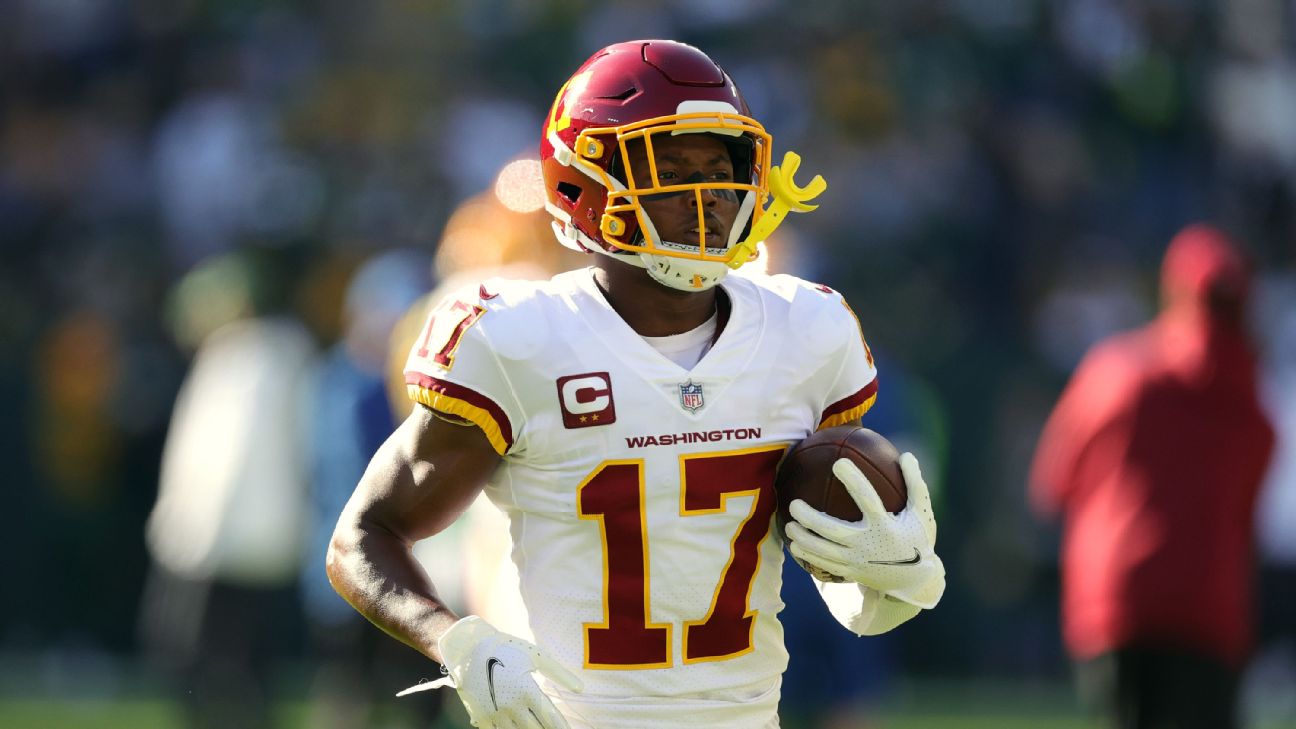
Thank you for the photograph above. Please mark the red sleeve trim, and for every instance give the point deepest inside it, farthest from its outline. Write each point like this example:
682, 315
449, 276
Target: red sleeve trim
462, 402
847, 405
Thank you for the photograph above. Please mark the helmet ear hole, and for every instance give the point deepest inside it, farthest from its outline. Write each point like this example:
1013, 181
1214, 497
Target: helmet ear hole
569, 191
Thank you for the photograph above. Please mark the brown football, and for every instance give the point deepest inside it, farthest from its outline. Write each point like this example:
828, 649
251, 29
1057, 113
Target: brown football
806, 472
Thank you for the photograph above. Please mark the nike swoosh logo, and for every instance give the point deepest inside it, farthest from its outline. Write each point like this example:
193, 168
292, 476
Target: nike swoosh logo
490, 678
913, 560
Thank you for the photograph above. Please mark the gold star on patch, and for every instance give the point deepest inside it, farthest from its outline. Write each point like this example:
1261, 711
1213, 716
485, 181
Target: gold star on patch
594, 417
583, 418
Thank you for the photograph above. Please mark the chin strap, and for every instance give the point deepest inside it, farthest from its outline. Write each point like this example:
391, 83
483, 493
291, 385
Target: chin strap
788, 197
681, 274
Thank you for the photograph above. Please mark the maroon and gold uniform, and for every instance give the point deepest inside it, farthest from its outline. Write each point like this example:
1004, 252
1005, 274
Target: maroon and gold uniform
640, 493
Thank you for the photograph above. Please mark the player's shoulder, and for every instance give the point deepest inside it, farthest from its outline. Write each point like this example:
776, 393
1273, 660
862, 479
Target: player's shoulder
786, 290
514, 317
518, 296
812, 318
813, 309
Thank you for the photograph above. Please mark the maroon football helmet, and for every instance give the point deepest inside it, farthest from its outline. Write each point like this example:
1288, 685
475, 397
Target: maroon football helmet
630, 93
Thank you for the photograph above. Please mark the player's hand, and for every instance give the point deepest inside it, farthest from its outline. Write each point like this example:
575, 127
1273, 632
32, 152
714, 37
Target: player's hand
492, 673
891, 553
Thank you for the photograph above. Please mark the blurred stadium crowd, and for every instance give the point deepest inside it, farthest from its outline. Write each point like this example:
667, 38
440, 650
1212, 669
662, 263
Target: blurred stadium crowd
1003, 177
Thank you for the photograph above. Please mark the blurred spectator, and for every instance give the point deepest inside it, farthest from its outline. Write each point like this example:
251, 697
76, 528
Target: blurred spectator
228, 529
1153, 458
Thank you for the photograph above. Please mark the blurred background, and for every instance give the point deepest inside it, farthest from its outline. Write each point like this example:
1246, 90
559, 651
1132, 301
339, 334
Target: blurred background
213, 214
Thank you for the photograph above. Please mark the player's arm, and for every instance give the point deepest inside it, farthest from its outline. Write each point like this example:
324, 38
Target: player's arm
872, 553
421, 479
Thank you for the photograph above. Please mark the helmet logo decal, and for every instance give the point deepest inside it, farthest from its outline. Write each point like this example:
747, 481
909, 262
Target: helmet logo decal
574, 84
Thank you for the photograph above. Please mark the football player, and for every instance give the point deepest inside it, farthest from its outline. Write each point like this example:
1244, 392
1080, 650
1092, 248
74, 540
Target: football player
629, 418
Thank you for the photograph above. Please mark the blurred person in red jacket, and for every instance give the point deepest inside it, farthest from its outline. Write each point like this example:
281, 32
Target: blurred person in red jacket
1153, 458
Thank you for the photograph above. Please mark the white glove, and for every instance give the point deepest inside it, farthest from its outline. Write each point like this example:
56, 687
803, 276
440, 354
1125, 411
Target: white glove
891, 553
492, 673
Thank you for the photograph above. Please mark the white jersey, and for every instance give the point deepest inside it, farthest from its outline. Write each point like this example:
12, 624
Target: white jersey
640, 494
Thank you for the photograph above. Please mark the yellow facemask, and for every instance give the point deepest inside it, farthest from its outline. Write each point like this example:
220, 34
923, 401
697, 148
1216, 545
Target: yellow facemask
625, 197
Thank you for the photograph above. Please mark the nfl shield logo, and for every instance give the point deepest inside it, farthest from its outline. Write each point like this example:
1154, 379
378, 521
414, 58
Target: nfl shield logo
690, 396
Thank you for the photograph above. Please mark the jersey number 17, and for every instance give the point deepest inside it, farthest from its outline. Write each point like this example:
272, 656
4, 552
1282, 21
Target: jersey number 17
614, 496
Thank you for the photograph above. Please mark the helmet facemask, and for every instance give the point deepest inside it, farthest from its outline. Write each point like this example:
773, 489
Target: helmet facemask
699, 256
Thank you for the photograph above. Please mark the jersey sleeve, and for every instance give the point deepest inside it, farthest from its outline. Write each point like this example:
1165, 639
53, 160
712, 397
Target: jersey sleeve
854, 390
453, 369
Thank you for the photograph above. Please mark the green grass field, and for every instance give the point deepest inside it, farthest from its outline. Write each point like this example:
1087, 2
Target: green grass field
925, 706
157, 714
929, 705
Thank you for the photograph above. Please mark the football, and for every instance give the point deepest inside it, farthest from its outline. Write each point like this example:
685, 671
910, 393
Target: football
806, 474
